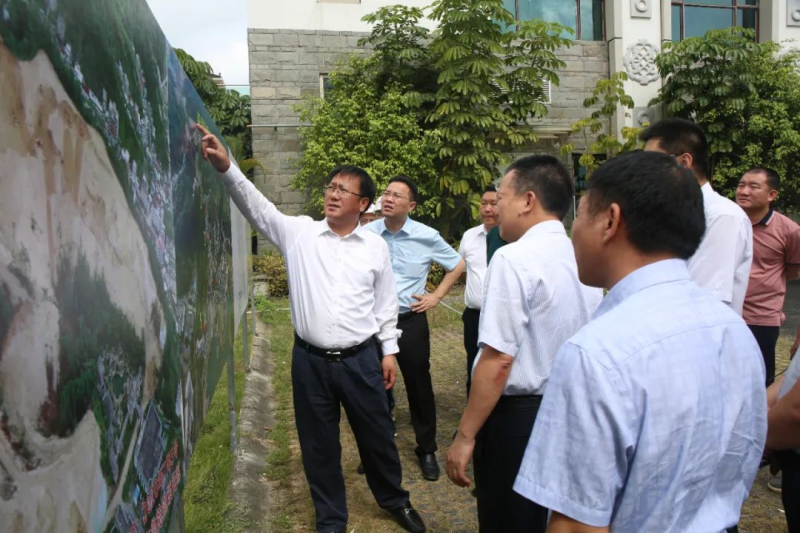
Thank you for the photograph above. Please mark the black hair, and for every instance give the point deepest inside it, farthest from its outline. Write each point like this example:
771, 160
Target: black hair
548, 178
659, 200
678, 136
489, 188
773, 178
366, 184
405, 180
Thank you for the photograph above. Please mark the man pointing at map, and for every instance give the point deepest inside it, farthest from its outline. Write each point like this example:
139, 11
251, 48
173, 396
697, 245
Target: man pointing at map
343, 304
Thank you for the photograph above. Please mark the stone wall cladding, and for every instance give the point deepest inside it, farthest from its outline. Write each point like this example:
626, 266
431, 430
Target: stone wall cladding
285, 65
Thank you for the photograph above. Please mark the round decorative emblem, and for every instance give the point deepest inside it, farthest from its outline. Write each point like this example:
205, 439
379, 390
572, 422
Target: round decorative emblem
796, 15
640, 62
641, 6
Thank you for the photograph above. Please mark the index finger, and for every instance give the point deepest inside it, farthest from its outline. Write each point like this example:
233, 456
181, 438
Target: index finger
202, 129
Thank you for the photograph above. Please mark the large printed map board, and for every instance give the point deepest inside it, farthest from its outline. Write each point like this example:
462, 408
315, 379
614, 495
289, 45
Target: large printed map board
116, 292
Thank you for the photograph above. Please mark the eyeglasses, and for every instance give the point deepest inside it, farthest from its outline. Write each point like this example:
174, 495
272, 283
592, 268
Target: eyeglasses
343, 193
395, 195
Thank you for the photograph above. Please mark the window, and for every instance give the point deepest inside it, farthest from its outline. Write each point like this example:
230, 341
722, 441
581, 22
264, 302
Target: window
324, 85
583, 16
693, 18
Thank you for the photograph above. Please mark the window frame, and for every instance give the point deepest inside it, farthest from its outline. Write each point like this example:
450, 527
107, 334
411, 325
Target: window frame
734, 8
577, 20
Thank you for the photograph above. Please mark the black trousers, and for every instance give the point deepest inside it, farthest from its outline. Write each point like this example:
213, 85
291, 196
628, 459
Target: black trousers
790, 488
471, 319
767, 339
415, 364
499, 449
321, 387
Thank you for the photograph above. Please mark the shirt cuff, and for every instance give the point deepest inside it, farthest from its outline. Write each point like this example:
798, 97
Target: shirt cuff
562, 505
390, 347
232, 175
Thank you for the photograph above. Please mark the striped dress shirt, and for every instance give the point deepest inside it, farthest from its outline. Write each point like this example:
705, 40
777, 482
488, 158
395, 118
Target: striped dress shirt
532, 303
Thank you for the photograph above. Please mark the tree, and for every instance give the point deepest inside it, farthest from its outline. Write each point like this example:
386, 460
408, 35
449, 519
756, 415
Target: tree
611, 93
745, 95
490, 84
358, 124
471, 87
229, 109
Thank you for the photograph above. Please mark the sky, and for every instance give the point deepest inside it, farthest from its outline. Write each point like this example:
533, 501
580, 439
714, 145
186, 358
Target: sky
211, 31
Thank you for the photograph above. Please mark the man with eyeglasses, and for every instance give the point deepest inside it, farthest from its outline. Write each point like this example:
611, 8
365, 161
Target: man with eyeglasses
722, 262
342, 297
473, 249
413, 247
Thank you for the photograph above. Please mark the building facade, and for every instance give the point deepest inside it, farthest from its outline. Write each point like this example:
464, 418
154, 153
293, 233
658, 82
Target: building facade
294, 45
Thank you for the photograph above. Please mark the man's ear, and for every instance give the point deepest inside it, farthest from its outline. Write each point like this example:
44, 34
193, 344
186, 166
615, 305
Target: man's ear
411, 206
363, 205
530, 202
613, 223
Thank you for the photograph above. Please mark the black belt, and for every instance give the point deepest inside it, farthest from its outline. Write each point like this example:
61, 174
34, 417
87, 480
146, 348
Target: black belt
334, 354
402, 317
520, 400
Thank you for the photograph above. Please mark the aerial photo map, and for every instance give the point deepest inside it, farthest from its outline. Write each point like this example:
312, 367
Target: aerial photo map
116, 310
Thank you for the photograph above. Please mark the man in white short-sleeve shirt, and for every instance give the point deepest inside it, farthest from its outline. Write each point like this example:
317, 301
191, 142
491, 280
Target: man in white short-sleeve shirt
473, 251
532, 303
722, 262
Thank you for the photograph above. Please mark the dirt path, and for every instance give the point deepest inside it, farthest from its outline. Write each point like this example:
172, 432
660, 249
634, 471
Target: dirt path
444, 507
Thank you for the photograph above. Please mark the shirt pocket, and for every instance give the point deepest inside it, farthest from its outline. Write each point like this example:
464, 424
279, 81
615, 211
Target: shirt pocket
416, 267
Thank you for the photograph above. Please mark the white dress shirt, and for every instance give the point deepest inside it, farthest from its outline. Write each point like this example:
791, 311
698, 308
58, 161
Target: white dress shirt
341, 289
533, 302
473, 251
722, 262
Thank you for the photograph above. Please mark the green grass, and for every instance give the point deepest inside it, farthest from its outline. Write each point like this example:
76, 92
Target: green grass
281, 464
274, 313
207, 502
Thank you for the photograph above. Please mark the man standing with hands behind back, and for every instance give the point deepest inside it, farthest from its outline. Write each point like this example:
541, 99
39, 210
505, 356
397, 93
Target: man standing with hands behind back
341, 291
413, 247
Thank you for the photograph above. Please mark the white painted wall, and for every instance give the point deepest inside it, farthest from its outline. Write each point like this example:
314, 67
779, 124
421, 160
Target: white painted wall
315, 15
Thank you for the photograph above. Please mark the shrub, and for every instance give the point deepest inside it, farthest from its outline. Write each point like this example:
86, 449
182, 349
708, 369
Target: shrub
273, 266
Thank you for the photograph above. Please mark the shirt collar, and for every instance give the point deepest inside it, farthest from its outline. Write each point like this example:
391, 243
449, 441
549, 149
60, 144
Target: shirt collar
767, 219
323, 227
657, 273
408, 226
549, 226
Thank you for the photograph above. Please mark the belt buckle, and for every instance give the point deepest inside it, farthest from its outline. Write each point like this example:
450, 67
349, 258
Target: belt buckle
332, 356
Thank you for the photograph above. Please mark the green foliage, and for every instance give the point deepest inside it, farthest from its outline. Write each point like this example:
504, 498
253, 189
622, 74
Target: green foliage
229, 109
610, 93
745, 95
273, 266
359, 124
460, 98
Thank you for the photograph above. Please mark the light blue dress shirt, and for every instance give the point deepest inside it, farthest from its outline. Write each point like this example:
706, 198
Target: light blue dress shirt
413, 248
654, 418
791, 378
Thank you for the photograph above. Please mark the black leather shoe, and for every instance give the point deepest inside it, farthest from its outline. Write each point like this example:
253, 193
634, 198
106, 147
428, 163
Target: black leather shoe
429, 466
360, 468
409, 519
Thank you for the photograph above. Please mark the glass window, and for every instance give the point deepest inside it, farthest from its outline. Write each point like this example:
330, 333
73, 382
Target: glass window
676, 23
585, 17
591, 20
747, 18
551, 11
693, 18
698, 20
